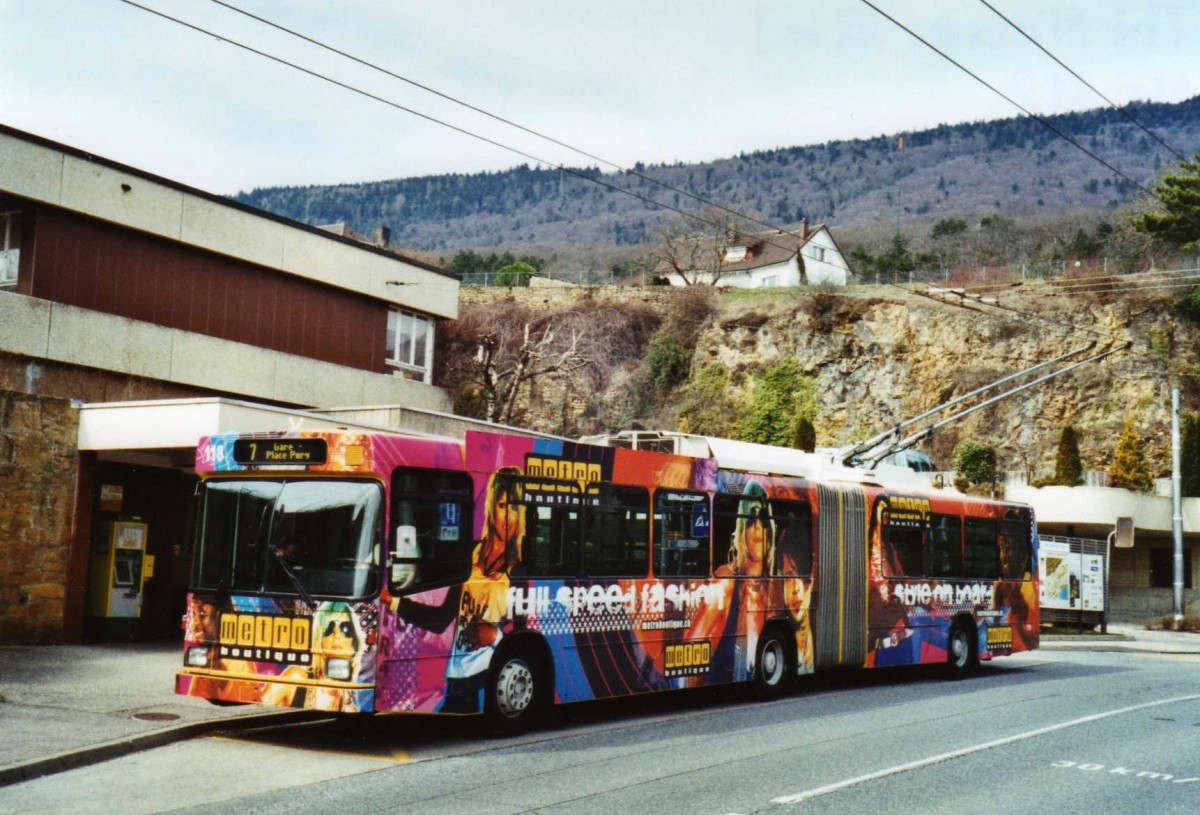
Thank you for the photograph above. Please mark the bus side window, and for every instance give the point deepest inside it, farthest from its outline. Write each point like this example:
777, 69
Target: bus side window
430, 528
681, 530
1014, 549
944, 542
793, 538
724, 528
981, 557
551, 544
905, 549
617, 533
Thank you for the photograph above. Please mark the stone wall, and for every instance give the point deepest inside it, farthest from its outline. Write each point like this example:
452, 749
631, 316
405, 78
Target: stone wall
38, 474
561, 297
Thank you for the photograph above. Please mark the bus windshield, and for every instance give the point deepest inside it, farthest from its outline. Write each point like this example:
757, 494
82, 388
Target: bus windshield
310, 537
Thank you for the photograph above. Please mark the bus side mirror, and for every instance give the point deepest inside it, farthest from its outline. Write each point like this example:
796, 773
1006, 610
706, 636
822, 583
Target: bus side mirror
405, 554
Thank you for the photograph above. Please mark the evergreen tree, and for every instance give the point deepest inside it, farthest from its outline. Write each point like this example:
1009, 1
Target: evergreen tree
515, 274
1189, 456
1179, 225
1068, 468
805, 435
1129, 468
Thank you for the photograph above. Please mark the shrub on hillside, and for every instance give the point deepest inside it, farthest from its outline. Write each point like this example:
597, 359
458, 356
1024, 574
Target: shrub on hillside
709, 407
667, 361
781, 395
975, 461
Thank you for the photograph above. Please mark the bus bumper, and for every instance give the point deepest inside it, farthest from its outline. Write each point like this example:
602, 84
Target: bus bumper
224, 688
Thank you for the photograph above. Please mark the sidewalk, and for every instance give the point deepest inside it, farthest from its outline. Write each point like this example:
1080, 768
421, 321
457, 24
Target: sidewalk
68, 706
1121, 637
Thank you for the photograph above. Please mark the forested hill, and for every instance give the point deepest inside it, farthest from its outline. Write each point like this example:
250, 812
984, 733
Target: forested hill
1016, 167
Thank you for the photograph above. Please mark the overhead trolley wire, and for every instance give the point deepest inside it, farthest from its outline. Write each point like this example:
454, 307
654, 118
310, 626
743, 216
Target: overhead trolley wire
1040, 119
1090, 86
462, 130
496, 117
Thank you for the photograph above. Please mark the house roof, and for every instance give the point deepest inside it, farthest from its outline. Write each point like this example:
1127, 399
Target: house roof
769, 249
343, 230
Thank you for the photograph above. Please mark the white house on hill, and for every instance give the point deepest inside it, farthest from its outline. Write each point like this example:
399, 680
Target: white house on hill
807, 256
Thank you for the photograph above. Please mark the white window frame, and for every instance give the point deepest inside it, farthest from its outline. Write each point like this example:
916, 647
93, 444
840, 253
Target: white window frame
10, 248
412, 359
817, 253
770, 282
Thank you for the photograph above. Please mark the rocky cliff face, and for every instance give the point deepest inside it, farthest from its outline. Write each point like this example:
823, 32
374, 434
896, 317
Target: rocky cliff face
881, 354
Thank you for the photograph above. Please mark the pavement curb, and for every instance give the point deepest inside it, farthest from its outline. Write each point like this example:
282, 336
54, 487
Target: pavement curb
1115, 647
104, 751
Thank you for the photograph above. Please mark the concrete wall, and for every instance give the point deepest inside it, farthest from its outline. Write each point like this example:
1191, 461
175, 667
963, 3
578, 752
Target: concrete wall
42, 330
1133, 600
38, 473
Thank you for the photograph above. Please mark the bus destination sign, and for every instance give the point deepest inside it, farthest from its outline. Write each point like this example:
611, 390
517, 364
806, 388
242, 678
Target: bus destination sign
294, 452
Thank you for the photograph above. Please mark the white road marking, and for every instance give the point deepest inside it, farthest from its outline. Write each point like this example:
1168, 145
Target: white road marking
966, 751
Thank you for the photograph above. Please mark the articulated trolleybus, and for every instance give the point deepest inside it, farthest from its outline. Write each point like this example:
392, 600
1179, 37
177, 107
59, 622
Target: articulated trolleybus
368, 572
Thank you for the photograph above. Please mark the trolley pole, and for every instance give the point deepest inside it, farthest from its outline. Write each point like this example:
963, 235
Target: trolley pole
1177, 509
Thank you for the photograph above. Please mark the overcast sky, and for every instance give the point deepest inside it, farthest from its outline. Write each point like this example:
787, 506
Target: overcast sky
627, 80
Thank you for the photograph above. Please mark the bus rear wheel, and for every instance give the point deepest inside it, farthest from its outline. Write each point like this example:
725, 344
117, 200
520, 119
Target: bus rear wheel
961, 658
514, 692
774, 667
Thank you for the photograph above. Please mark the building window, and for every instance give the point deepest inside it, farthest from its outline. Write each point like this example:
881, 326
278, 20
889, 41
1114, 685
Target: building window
770, 282
410, 344
1162, 568
817, 253
735, 254
10, 248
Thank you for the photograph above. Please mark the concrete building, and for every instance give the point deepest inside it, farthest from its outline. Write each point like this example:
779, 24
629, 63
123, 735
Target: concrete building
1142, 577
117, 286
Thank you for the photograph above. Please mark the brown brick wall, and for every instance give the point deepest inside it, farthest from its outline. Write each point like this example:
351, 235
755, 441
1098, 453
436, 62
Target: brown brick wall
38, 470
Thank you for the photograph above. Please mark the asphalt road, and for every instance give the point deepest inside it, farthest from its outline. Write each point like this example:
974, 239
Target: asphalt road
1062, 732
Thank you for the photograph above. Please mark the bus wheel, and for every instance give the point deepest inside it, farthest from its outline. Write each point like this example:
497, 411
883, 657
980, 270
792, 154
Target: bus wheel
961, 659
514, 692
773, 669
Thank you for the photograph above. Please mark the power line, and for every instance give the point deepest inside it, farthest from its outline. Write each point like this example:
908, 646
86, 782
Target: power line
1040, 119
462, 130
1111, 104
503, 120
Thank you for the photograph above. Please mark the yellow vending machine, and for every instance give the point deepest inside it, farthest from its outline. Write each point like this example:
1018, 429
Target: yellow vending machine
119, 570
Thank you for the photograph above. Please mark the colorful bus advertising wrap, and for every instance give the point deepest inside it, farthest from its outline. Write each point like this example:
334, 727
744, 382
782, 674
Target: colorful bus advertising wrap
623, 571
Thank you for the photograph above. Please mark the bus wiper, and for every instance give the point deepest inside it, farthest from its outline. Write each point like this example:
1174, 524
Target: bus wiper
283, 564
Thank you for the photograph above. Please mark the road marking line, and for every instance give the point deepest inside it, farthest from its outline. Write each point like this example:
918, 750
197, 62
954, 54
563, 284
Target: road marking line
913, 765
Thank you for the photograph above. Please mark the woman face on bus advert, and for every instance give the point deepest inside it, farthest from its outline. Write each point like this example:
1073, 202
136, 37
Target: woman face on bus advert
500, 547
754, 543
339, 637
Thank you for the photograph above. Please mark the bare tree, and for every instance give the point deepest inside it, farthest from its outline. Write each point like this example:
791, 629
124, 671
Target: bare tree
694, 247
510, 357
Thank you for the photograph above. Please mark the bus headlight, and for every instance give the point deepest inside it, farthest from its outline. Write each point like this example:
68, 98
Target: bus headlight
338, 669
197, 656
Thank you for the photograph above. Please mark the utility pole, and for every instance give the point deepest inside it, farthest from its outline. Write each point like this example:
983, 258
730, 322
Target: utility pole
1177, 509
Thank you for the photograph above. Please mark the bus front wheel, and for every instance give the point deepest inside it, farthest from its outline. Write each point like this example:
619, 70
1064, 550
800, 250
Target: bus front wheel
773, 668
514, 693
961, 658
